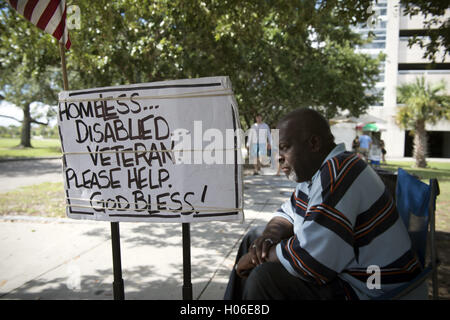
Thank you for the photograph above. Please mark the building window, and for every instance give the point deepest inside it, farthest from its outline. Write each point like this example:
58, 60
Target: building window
374, 45
380, 92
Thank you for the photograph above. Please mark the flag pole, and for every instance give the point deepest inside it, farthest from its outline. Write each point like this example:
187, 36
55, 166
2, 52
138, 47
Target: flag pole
62, 52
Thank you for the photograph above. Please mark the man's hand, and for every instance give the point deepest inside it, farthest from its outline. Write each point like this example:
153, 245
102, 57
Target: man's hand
248, 261
244, 266
263, 248
277, 229
259, 251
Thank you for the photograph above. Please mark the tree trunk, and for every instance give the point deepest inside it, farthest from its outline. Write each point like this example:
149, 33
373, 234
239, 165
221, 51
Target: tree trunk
25, 138
420, 144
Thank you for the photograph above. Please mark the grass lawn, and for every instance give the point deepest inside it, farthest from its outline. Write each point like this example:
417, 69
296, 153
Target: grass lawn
43, 200
440, 170
41, 148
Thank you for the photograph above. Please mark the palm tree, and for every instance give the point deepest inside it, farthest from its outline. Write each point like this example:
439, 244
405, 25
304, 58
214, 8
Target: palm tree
422, 103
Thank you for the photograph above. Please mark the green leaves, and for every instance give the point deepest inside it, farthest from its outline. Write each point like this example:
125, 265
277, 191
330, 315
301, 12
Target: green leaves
436, 25
280, 55
422, 102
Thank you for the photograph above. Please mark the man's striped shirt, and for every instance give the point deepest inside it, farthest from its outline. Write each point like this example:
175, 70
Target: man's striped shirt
345, 221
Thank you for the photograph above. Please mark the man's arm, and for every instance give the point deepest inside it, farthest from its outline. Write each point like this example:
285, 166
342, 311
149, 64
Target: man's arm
263, 249
276, 230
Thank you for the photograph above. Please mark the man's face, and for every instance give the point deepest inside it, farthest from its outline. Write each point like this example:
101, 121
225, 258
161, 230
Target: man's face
295, 156
258, 119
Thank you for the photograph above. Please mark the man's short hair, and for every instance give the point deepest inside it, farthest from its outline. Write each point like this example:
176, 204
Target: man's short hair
309, 120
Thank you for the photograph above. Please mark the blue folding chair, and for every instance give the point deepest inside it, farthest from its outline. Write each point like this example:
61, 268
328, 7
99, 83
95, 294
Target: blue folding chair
416, 205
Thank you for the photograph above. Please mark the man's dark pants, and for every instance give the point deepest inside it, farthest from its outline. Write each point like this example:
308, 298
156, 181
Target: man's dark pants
271, 281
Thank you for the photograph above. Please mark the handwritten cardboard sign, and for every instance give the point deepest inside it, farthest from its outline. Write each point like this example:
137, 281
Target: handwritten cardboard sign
155, 152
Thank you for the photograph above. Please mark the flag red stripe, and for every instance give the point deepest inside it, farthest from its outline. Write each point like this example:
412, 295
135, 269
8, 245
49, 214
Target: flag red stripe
29, 7
59, 31
47, 14
52, 11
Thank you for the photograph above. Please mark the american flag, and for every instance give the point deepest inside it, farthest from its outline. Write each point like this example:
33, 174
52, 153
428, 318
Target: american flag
48, 15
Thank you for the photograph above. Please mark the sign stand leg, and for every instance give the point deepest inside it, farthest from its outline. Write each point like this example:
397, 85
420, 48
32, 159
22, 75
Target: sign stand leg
187, 285
118, 288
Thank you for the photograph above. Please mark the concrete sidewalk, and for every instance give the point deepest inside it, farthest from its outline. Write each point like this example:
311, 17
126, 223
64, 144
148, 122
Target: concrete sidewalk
71, 259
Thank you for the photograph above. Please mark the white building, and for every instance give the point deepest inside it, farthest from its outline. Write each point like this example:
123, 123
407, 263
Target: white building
403, 64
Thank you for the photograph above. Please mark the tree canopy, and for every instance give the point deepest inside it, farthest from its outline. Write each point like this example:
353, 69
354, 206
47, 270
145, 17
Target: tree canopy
279, 54
28, 66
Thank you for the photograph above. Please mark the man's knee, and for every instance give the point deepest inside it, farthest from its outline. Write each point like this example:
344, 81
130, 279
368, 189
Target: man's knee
263, 271
259, 282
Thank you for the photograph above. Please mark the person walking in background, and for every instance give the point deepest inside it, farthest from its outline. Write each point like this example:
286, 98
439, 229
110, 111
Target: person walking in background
383, 152
259, 142
365, 142
355, 145
375, 154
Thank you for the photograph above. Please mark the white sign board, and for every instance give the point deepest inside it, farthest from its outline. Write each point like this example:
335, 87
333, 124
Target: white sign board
156, 152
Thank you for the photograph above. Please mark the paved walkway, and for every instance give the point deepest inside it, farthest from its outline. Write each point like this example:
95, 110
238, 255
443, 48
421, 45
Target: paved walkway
19, 173
72, 259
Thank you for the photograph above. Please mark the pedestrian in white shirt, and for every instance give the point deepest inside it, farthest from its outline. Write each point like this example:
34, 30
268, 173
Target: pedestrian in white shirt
259, 142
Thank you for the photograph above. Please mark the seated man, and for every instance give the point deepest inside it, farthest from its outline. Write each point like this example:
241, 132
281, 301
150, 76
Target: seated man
338, 228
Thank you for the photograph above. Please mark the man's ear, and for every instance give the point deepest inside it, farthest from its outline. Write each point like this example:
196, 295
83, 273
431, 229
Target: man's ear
315, 143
